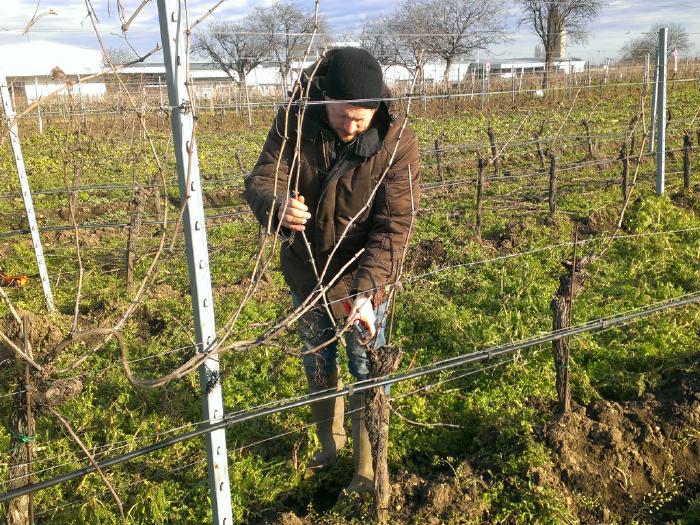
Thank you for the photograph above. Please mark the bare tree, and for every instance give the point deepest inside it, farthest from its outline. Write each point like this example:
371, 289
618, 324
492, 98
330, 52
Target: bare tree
117, 55
375, 38
555, 20
454, 29
398, 39
446, 29
235, 48
289, 30
637, 48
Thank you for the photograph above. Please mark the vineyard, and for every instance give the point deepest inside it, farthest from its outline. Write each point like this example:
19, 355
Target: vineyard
546, 314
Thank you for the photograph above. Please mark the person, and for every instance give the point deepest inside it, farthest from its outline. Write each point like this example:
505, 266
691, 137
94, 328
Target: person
352, 186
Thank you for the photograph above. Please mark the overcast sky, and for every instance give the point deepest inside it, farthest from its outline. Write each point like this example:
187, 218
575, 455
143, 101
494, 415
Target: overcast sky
619, 21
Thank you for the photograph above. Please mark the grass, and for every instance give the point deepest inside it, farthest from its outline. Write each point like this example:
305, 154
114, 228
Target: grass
438, 315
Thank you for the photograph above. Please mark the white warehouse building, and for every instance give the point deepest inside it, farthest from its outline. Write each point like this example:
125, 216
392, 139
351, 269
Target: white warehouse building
31, 63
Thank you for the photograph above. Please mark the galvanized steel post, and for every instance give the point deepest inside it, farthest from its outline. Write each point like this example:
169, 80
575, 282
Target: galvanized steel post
661, 112
26, 193
38, 105
646, 72
173, 34
652, 117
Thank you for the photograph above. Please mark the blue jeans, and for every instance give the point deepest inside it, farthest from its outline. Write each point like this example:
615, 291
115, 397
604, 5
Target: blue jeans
315, 328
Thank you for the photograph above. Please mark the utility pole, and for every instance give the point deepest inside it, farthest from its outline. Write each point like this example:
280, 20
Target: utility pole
173, 37
661, 113
26, 192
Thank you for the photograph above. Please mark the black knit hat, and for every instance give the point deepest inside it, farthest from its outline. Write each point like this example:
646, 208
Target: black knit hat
353, 74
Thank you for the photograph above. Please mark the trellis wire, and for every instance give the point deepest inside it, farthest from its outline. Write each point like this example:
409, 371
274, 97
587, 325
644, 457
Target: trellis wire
362, 386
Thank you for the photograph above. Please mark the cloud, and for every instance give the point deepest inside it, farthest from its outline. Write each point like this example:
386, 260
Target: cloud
619, 21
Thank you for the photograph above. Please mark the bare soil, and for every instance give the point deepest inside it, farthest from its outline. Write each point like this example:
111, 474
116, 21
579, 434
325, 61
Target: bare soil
631, 456
424, 254
599, 222
42, 334
612, 461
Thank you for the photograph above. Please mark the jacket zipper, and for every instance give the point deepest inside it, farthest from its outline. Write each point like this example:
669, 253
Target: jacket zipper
334, 173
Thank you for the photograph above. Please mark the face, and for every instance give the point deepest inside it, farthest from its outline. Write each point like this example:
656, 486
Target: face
348, 121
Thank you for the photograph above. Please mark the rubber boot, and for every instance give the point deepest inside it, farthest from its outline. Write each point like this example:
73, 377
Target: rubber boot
328, 416
363, 480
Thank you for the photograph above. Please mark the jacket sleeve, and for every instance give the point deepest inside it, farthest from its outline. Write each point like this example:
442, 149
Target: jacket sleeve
266, 185
393, 212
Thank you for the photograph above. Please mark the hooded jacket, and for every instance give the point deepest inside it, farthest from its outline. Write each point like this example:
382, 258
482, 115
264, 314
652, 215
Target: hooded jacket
335, 190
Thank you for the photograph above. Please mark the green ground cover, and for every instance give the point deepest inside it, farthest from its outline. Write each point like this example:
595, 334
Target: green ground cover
448, 306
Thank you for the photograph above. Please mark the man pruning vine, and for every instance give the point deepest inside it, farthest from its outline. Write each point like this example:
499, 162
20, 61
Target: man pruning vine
339, 175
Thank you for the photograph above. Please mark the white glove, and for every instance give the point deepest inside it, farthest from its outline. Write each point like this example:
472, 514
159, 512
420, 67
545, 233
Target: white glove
363, 312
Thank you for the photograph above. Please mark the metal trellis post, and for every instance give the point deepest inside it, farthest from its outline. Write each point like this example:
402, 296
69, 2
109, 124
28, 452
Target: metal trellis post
26, 193
661, 113
173, 35
483, 87
652, 117
38, 105
646, 72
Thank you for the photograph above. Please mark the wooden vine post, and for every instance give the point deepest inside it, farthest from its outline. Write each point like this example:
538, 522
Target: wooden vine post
30, 424
136, 218
538, 144
633, 139
670, 153
687, 146
222, 104
438, 159
479, 196
494, 150
591, 150
570, 285
552, 185
624, 157
382, 361
20, 510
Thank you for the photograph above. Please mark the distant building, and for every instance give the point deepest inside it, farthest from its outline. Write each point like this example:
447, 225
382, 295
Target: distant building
506, 68
41, 67
38, 58
209, 79
31, 66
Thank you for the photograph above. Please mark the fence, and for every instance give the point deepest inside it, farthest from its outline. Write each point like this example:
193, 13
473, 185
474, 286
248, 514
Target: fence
226, 95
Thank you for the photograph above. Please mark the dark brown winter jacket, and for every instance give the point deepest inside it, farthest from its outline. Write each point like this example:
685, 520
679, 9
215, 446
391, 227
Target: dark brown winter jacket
335, 191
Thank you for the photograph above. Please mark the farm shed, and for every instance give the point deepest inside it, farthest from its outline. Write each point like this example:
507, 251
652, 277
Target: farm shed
30, 63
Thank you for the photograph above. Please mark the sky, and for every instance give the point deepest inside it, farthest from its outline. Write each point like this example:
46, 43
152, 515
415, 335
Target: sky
619, 21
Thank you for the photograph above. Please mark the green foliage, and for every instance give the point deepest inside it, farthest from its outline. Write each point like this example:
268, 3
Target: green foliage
691, 514
453, 303
523, 502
